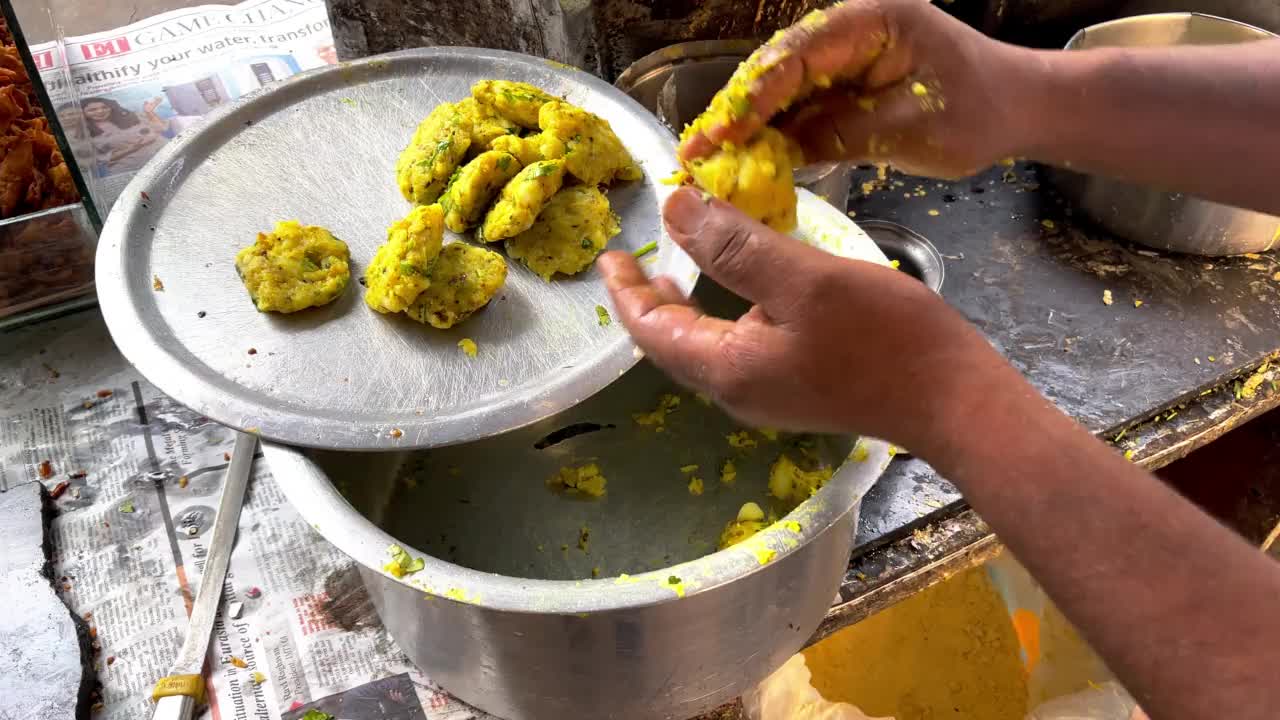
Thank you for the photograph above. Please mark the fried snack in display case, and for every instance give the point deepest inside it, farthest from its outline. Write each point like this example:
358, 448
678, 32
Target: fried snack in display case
47, 234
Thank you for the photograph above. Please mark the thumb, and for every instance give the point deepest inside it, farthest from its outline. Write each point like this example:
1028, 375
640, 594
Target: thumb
745, 256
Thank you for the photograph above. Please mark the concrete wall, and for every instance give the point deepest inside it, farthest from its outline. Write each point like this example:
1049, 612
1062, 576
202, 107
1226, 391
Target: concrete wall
600, 36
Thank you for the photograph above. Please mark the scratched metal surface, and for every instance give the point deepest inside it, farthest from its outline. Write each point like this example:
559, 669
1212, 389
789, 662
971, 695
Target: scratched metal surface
321, 148
1031, 275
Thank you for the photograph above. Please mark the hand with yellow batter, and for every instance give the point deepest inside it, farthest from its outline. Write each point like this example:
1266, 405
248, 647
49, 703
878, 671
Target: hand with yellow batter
889, 80
903, 82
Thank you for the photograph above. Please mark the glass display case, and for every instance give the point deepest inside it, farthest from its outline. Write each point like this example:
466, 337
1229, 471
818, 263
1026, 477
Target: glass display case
48, 222
98, 89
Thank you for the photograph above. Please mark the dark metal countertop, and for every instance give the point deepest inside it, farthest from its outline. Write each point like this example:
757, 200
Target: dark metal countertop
1163, 378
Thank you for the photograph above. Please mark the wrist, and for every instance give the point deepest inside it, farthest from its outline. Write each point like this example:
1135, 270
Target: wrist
1043, 84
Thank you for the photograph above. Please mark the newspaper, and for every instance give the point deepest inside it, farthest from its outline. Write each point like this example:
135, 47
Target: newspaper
122, 94
137, 479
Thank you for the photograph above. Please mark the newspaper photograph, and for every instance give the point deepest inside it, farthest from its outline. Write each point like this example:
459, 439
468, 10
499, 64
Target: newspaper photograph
122, 94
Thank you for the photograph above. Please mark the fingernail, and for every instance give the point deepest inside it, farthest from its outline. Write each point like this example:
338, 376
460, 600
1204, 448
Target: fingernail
686, 211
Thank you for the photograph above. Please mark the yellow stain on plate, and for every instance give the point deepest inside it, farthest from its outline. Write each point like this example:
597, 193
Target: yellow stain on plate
764, 556
461, 596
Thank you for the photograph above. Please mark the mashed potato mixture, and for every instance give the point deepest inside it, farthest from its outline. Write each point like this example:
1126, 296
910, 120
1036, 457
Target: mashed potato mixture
591, 151
399, 270
528, 150
570, 232
757, 178
522, 200
486, 124
793, 484
750, 521
438, 146
294, 267
474, 186
516, 101
463, 279
585, 480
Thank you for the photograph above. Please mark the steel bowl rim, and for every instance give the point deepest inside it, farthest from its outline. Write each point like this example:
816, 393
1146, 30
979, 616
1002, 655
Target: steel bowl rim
1082, 33
323, 507
679, 53
188, 384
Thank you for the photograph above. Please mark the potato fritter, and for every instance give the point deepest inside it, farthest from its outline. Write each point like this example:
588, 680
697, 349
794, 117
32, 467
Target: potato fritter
569, 233
463, 280
399, 270
591, 151
516, 101
757, 179
473, 186
294, 267
528, 150
438, 146
521, 200
486, 124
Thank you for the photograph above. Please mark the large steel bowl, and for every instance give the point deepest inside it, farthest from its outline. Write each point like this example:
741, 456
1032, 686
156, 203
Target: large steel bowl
506, 613
1167, 221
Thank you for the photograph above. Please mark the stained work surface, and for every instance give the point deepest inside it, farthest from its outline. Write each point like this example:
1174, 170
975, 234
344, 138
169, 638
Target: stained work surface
1032, 277
949, 651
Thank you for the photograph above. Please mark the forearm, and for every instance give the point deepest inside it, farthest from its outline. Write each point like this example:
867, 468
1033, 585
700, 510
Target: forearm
1200, 120
1180, 608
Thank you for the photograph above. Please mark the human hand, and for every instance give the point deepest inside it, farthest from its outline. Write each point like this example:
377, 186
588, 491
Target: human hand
831, 344
896, 81
149, 107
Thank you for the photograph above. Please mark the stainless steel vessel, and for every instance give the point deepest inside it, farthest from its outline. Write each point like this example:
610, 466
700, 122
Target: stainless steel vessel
677, 636
507, 612
1167, 221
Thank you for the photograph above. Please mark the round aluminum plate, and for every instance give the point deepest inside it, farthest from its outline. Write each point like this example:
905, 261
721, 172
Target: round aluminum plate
321, 148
